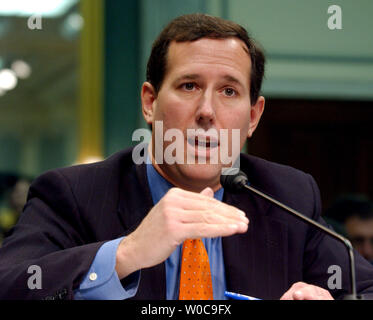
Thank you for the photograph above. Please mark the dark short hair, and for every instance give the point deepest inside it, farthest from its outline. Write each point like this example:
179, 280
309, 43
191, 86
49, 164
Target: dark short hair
192, 27
350, 205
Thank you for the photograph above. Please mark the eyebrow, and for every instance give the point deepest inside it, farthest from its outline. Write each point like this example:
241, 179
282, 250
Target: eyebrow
232, 79
195, 76
187, 77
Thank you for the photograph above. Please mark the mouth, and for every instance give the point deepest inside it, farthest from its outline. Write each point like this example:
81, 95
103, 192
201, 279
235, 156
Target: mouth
203, 142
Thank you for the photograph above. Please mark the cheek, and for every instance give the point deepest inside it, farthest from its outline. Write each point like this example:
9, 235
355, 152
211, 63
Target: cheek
236, 140
236, 120
173, 112
242, 122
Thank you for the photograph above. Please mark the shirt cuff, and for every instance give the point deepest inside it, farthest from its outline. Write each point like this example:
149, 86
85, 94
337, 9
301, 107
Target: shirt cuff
102, 281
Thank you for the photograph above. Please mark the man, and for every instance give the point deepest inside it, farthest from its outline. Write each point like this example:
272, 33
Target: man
115, 230
354, 214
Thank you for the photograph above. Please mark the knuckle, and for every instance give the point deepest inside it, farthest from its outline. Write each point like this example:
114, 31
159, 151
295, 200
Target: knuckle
203, 229
174, 191
207, 217
298, 285
170, 227
169, 201
167, 214
213, 204
171, 194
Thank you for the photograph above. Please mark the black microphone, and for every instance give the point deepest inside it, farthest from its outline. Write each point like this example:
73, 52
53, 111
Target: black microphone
235, 180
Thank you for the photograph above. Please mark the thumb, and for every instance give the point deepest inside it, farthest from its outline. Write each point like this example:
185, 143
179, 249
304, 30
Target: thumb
207, 192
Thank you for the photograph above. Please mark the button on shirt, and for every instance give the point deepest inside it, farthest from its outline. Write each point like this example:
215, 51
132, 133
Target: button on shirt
102, 282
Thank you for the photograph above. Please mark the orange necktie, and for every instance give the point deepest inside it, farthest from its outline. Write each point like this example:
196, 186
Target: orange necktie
195, 276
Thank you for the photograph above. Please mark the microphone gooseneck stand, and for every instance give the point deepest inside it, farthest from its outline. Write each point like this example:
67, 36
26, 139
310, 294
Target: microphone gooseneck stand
235, 181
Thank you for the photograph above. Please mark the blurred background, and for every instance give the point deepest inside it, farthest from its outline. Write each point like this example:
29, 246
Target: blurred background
71, 73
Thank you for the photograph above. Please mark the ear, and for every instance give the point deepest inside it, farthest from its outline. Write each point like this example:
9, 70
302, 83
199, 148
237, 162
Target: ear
148, 97
256, 111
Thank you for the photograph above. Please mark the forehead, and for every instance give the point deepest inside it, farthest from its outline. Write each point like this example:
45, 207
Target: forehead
356, 225
221, 55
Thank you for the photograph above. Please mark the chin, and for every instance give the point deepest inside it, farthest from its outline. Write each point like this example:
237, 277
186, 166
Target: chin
203, 174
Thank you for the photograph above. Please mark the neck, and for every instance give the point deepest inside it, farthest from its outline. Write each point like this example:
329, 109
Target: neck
191, 185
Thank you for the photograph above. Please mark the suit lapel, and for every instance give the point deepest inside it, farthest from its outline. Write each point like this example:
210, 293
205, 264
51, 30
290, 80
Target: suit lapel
254, 261
134, 204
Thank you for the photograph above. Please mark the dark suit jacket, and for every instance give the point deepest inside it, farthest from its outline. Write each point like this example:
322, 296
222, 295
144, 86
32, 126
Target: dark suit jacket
72, 211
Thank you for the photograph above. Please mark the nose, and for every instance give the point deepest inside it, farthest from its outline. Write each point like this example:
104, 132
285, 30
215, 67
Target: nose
205, 114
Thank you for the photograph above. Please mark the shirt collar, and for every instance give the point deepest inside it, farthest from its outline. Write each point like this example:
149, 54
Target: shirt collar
159, 186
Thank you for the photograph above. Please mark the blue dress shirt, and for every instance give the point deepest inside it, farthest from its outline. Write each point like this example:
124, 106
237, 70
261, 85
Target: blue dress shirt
102, 282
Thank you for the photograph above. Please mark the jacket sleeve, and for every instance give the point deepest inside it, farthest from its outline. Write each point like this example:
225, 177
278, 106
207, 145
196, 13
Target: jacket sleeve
326, 260
50, 249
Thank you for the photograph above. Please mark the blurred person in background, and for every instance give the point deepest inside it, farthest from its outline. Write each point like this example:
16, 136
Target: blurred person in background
13, 195
352, 216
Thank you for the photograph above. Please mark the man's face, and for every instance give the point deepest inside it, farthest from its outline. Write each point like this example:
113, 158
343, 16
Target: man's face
206, 86
361, 234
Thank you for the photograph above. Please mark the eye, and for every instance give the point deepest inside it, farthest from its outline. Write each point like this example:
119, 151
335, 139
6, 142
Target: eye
189, 86
229, 92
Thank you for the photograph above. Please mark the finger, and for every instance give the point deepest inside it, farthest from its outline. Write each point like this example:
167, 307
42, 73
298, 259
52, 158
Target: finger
211, 206
287, 296
206, 196
323, 294
193, 196
209, 217
203, 230
207, 192
205, 208
299, 295
311, 293
204, 200
186, 199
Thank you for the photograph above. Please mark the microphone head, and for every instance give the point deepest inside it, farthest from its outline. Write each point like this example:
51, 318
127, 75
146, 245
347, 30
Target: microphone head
233, 180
